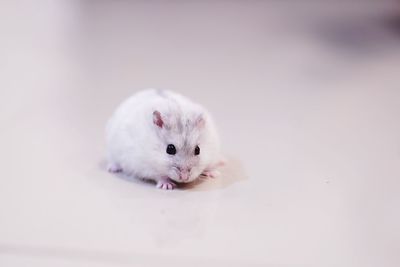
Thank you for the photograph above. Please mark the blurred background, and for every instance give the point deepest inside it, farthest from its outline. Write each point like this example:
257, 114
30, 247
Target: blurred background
305, 94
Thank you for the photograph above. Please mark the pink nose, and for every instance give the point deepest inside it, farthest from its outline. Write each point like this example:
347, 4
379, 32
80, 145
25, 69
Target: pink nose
184, 175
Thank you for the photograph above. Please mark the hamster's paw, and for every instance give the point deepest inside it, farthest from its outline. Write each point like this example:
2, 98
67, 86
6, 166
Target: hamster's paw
210, 174
166, 184
114, 167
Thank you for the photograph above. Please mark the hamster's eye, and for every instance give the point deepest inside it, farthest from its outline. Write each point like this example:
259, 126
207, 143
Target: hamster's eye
171, 149
197, 150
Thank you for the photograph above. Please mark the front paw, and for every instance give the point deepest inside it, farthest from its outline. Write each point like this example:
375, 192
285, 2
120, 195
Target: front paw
166, 184
210, 174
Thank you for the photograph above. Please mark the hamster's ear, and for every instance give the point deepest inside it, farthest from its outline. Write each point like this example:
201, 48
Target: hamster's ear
199, 122
157, 119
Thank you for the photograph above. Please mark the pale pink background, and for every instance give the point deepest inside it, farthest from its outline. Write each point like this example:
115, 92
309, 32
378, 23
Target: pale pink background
306, 95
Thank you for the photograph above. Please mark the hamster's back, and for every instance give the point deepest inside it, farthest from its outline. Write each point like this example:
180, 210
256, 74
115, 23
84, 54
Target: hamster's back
129, 124
133, 109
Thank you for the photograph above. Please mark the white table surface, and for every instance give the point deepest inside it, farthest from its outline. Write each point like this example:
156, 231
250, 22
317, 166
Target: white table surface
307, 99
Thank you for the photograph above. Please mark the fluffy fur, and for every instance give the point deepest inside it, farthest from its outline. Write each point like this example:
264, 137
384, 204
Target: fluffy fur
141, 129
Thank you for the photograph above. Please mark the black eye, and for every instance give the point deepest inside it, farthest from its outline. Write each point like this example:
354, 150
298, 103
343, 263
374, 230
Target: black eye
171, 149
197, 150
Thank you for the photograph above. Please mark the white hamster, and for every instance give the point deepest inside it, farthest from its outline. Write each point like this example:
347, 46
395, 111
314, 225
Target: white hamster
162, 136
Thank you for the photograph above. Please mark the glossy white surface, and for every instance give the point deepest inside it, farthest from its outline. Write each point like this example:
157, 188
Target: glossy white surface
306, 96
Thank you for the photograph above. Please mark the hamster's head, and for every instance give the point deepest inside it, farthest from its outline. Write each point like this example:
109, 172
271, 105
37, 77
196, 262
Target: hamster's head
179, 145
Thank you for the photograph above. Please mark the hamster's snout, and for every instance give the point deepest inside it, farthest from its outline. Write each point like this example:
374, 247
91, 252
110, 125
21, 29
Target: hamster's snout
184, 173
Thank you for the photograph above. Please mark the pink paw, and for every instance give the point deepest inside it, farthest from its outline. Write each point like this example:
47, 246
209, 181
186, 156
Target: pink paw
166, 184
113, 167
210, 174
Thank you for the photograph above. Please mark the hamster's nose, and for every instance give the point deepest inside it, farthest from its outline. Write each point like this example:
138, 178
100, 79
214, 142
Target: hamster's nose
184, 174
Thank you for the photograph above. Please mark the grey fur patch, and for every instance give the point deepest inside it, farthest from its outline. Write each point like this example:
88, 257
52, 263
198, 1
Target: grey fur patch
161, 93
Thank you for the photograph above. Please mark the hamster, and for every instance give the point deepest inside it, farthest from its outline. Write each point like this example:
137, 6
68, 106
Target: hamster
162, 136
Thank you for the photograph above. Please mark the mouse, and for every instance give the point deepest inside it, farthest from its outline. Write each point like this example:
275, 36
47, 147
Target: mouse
163, 136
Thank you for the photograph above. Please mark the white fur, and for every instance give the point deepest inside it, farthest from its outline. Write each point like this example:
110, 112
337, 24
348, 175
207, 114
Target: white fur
137, 145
